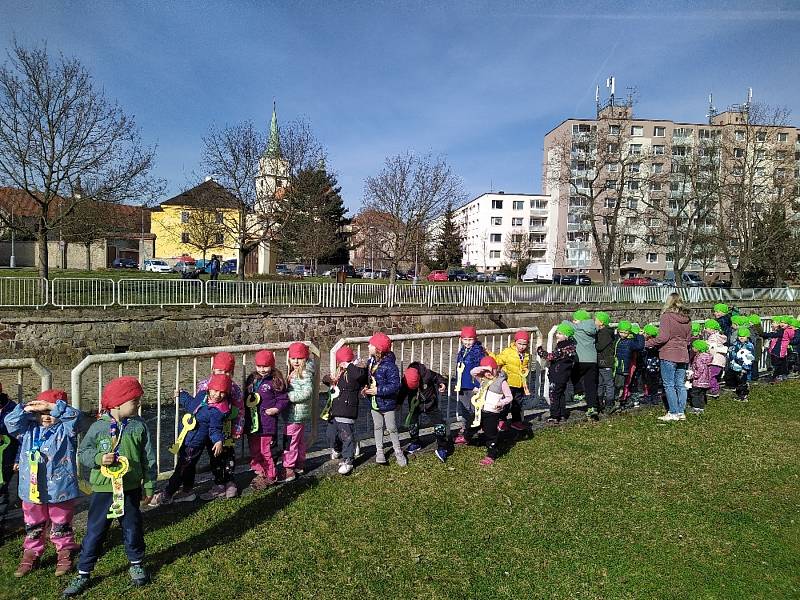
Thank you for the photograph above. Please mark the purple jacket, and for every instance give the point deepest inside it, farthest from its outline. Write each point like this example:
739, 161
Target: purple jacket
270, 398
672, 342
701, 370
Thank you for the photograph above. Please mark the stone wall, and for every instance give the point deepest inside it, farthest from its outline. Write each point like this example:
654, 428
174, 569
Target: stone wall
61, 339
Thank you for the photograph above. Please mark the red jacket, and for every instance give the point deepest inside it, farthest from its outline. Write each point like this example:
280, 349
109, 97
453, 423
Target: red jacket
674, 331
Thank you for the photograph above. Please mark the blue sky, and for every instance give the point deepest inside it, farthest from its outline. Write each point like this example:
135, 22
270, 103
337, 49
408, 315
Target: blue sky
478, 82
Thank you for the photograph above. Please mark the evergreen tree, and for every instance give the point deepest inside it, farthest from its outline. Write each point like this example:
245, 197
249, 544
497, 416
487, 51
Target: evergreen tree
449, 252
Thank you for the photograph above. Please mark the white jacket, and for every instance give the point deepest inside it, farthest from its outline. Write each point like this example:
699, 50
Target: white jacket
498, 395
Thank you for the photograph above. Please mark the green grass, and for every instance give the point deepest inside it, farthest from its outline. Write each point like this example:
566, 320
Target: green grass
627, 508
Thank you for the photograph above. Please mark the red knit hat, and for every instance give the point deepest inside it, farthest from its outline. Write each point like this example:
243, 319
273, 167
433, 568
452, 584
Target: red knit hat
522, 335
468, 331
298, 350
344, 354
220, 383
118, 391
488, 361
265, 358
52, 396
381, 342
411, 378
224, 361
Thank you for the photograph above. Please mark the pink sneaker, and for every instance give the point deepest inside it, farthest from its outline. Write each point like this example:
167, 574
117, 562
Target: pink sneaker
501, 426
460, 440
486, 461
231, 491
519, 425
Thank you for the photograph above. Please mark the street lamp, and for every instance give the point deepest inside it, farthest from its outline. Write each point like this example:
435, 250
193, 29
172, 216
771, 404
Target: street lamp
13, 260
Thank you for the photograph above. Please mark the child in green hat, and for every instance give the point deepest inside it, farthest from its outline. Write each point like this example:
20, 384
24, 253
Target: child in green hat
721, 314
651, 370
559, 370
604, 342
699, 375
741, 359
718, 348
756, 331
627, 346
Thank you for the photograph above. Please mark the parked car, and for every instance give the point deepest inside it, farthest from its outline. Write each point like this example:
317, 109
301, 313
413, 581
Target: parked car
348, 270
481, 277
584, 280
156, 266
689, 280
229, 266
500, 278
660, 283
457, 275
636, 281
125, 263
302, 271
721, 283
538, 273
437, 276
183, 266
565, 279
282, 269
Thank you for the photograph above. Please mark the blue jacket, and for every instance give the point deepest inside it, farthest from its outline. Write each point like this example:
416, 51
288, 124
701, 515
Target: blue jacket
387, 378
209, 420
58, 470
625, 352
741, 356
795, 343
10, 453
470, 359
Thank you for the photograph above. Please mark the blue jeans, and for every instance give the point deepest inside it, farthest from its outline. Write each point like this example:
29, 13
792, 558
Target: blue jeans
674, 376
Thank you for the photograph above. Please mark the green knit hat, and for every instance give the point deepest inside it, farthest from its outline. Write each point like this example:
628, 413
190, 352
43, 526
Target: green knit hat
754, 320
635, 329
581, 315
793, 322
712, 324
696, 328
743, 332
603, 317
624, 326
739, 320
566, 329
777, 319
651, 330
723, 308
700, 345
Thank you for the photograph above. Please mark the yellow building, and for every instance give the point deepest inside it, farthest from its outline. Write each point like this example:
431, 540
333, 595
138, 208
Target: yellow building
197, 222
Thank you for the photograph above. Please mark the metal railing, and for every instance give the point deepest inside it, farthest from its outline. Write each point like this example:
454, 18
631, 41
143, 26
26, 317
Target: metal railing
161, 372
103, 292
20, 365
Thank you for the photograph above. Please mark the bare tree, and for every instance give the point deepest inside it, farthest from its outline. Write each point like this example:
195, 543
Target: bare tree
517, 248
205, 229
60, 134
90, 223
408, 193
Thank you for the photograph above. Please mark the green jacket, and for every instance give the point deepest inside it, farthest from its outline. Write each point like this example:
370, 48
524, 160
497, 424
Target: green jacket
585, 336
136, 445
300, 394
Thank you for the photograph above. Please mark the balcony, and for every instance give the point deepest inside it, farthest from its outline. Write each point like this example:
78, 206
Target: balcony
538, 228
538, 245
585, 226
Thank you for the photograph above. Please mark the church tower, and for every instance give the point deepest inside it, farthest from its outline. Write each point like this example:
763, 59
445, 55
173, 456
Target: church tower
273, 168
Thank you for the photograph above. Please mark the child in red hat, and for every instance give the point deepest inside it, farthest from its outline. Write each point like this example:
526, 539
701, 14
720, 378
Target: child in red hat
266, 399
47, 431
222, 466
341, 410
514, 361
490, 400
422, 386
298, 412
469, 356
8, 459
384, 384
207, 412
118, 446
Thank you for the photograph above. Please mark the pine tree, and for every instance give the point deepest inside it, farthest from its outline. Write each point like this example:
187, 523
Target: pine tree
449, 252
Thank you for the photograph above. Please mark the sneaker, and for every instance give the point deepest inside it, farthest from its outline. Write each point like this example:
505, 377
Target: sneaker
592, 414
441, 454
381, 460
160, 499
668, 417
519, 425
138, 575
289, 475
502, 426
578, 397
681, 416
345, 468
552, 421
697, 411
413, 447
216, 492
486, 461
743, 399
231, 491
63, 562
715, 396
635, 404
27, 563
335, 455
182, 496
401, 459
77, 586
460, 440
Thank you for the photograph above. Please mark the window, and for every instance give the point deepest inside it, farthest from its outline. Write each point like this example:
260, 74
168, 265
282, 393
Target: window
761, 136
659, 131
518, 204
783, 137
497, 204
611, 184
636, 167
760, 154
516, 222
582, 128
704, 134
658, 149
633, 185
629, 239
652, 222
738, 152
739, 135
635, 149
613, 167
637, 131
738, 170
633, 203
610, 203
780, 173
629, 256
578, 202
537, 223
650, 240
674, 186
539, 238
497, 220
185, 216
578, 236
652, 257
184, 238
670, 257
658, 168
496, 238
218, 217
679, 151
539, 204
780, 155
219, 239
613, 129
494, 253
682, 132
655, 186
613, 148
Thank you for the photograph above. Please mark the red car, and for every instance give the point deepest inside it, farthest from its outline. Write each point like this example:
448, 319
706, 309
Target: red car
437, 276
637, 281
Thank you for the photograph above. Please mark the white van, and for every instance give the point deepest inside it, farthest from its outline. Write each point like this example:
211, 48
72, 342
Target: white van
538, 273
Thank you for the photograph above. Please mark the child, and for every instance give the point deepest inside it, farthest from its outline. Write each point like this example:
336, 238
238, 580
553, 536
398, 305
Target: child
723, 318
46, 429
756, 331
636, 377
700, 375
561, 361
224, 363
266, 399
584, 372
514, 361
697, 331
604, 343
342, 410
469, 356
779, 339
8, 454
651, 369
384, 384
718, 348
741, 358
208, 410
300, 391
625, 352
118, 442
422, 386
794, 348
490, 401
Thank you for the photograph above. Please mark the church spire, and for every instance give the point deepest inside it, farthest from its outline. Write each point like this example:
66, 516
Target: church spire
274, 146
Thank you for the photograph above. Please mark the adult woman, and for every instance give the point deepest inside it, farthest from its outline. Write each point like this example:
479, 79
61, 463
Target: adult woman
674, 331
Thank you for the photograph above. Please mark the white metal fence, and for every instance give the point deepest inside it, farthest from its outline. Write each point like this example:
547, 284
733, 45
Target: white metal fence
21, 366
134, 292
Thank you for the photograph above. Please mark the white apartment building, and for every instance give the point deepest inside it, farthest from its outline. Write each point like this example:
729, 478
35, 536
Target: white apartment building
496, 225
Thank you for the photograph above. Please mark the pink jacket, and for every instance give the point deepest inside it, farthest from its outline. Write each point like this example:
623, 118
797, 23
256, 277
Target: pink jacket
717, 347
785, 340
701, 371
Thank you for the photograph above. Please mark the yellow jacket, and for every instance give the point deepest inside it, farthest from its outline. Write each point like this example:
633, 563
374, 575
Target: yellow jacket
508, 360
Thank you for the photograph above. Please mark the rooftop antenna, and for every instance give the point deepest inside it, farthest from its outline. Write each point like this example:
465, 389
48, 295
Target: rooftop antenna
712, 112
611, 84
